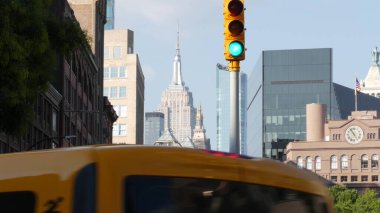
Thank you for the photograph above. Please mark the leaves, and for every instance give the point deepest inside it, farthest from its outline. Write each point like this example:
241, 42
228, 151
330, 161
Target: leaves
350, 201
29, 37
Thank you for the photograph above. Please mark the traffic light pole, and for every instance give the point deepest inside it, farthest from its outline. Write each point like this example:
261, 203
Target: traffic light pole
234, 67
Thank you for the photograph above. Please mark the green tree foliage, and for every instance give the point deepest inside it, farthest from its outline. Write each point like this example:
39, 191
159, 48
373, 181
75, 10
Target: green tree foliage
29, 38
350, 201
368, 202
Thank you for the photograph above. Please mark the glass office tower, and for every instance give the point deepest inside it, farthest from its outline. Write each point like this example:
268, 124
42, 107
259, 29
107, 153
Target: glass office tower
223, 110
153, 127
282, 83
110, 15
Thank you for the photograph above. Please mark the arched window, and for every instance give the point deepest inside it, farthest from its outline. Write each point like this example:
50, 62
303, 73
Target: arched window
299, 162
309, 164
364, 161
318, 165
375, 161
334, 162
344, 162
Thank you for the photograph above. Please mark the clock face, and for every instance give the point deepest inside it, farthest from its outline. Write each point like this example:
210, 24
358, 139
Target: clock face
354, 134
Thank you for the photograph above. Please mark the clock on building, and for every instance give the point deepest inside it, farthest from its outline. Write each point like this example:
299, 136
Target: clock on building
354, 134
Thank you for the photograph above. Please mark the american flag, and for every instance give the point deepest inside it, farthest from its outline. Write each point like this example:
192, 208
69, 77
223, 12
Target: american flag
357, 87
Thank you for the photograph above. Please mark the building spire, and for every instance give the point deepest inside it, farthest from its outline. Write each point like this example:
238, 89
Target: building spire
177, 75
177, 50
199, 118
375, 57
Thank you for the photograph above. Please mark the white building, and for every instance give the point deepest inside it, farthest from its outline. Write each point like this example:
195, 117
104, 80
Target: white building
177, 104
199, 137
124, 86
371, 84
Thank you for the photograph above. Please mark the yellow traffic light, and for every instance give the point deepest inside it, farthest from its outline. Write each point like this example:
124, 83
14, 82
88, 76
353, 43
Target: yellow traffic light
233, 12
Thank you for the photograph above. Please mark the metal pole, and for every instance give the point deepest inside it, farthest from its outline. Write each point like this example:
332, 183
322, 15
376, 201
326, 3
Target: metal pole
234, 107
356, 100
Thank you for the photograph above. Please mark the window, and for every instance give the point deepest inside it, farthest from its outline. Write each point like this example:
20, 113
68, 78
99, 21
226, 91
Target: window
122, 72
344, 162
113, 92
106, 53
375, 178
364, 178
106, 73
364, 162
106, 91
123, 129
299, 162
375, 161
121, 110
371, 135
334, 162
10, 201
116, 52
334, 178
343, 178
85, 190
122, 92
114, 72
309, 163
119, 129
115, 129
354, 178
318, 163
176, 194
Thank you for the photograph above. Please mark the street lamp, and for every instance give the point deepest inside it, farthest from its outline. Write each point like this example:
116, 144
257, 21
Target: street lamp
51, 138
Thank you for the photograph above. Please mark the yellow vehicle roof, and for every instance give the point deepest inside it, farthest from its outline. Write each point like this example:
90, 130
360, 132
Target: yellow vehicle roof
160, 161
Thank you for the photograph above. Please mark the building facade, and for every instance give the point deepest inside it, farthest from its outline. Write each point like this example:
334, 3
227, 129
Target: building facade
177, 104
282, 83
153, 127
70, 111
124, 86
342, 151
223, 110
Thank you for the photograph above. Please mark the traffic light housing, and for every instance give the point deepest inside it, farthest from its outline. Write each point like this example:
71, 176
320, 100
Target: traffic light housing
234, 44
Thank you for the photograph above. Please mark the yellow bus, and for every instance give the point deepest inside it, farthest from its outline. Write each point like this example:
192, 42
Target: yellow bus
136, 179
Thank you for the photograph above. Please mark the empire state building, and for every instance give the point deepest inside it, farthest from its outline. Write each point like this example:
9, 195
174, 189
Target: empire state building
177, 104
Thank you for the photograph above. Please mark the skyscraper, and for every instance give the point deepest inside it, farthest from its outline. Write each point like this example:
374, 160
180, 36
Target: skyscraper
110, 15
223, 110
199, 138
153, 127
124, 86
281, 85
177, 103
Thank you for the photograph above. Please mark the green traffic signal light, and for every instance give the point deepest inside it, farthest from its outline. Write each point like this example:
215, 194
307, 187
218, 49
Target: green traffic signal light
236, 48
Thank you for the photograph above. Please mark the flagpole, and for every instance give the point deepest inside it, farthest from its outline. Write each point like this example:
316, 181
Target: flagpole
356, 100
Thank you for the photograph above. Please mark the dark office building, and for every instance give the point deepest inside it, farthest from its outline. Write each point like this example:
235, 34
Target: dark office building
282, 83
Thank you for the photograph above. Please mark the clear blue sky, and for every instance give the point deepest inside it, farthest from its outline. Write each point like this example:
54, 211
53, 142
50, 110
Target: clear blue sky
350, 27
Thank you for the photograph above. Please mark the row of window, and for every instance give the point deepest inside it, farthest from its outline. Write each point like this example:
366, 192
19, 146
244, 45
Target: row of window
344, 162
354, 178
115, 92
336, 137
119, 130
112, 52
115, 72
